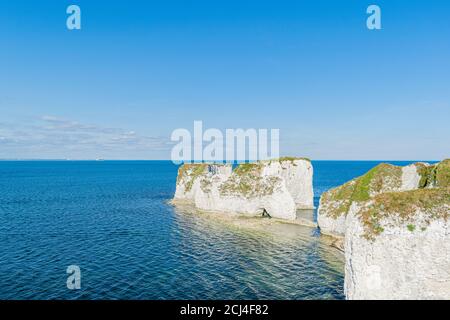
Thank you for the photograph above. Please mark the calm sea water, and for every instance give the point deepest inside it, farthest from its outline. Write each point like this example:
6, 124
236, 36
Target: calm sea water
112, 219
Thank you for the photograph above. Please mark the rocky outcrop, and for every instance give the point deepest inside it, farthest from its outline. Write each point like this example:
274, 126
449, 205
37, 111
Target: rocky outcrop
335, 203
397, 233
397, 246
273, 187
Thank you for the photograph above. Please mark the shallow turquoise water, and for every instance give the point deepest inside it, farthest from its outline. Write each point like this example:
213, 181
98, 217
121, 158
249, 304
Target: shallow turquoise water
112, 219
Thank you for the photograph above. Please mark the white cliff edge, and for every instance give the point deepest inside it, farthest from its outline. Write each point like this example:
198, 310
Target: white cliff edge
273, 187
335, 203
396, 229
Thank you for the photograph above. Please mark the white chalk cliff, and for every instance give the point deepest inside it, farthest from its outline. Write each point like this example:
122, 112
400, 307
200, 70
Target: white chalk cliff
396, 229
335, 203
275, 187
407, 259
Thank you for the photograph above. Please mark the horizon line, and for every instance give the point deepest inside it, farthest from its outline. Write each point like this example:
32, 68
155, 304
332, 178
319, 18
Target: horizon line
223, 161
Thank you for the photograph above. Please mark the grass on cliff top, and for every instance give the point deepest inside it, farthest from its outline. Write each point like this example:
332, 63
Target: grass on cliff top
383, 175
292, 159
285, 159
432, 198
360, 189
432, 203
188, 173
253, 168
443, 173
246, 178
437, 175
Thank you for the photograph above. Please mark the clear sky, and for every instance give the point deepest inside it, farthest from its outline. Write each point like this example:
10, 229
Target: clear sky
137, 70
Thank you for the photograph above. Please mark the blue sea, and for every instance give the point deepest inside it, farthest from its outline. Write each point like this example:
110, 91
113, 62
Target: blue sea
113, 220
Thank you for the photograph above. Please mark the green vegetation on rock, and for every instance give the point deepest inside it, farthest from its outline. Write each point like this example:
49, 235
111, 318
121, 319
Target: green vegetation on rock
246, 180
243, 169
292, 159
283, 159
376, 192
339, 200
431, 203
188, 173
384, 177
427, 175
443, 173
437, 175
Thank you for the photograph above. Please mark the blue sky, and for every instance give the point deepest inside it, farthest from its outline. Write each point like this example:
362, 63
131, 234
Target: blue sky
137, 70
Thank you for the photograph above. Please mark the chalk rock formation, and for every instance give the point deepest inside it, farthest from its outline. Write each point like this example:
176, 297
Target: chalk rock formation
397, 233
276, 187
298, 177
335, 203
397, 246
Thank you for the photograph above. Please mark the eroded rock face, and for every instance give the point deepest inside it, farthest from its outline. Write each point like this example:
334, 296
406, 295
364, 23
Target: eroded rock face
335, 203
275, 187
395, 221
194, 177
298, 176
397, 246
